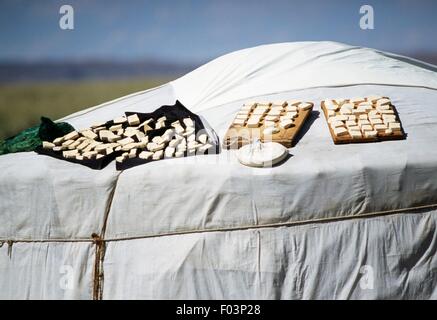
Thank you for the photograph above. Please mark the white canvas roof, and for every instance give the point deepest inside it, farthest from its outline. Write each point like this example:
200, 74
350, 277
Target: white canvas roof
207, 227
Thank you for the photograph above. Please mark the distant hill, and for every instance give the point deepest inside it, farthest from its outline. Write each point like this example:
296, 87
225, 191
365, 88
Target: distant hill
54, 71
11, 72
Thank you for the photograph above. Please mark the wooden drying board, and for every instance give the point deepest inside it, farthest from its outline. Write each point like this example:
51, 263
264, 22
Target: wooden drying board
397, 135
236, 135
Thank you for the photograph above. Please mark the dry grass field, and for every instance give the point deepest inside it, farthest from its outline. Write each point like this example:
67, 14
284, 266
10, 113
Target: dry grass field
22, 105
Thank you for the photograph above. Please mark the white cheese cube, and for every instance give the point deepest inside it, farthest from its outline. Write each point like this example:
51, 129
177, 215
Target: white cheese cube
120, 120
89, 134
145, 155
286, 124
71, 136
48, 145
237, 122
158, 155
305, 106
394, 126
340, 131
133, 120
370, 134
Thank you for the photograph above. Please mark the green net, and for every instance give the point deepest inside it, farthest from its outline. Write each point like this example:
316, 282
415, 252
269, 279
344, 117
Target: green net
31, 138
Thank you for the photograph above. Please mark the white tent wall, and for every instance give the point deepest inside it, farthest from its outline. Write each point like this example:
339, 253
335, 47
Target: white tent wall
47, 270
375, 258
211, 199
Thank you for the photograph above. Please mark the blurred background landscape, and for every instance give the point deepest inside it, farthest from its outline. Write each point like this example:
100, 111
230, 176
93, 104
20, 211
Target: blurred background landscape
120, 47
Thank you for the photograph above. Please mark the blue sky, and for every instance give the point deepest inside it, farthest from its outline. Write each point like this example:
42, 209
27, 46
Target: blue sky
192, 31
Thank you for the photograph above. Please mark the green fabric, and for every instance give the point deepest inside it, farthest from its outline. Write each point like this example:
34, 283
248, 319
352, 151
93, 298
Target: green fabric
31, 138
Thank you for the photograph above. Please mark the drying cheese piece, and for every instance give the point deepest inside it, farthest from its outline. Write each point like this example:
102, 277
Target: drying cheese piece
383, 107
340, 131
133, 120
305, 106
179, 154
169, 152
366, 127
238, 122
145, 155
286, 124
152, 146
375, 121
263, 104
337, 124
352, 118
291, 108
89, 154
97, 125
274, 112
349, 106
48, 145
388, 131
374, 116
88, 134
331, 113
92, 145
386, 112
189, 131
279, 103
70, 154
121, 158
293, 102
345, 111
130, 132
243, 113
132, 153
269, 124
394, 126
358, 111
270, 130
271, 118
253, 122
120, 120
203, 148
290, 115
67, 143
126, 141
188, 122
83, 145
355, 134
373, 98
351, 123
332, 107
370, 134
71, 136
259, 111
380, 127
58, 141
158, 155
363, 117
203, 138
382, 102
339, 101
129, 146
363, 122
96, 130
115, 127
